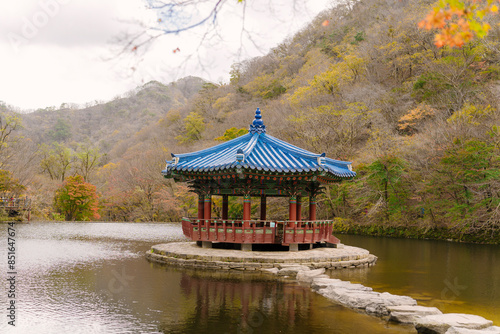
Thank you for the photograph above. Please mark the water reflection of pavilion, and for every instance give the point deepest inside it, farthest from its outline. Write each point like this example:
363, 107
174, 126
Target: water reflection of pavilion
262, 166
244, 303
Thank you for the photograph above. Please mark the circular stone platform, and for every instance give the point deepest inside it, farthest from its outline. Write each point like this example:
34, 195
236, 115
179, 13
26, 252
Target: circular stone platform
188, 254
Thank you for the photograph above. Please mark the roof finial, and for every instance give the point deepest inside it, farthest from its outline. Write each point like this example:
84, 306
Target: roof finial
257, 125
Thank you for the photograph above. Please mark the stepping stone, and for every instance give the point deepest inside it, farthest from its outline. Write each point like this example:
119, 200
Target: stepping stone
309, 275
408, 314
440, 323
458, 330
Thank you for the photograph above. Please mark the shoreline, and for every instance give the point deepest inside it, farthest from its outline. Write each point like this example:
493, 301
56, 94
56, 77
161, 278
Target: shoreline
451, 234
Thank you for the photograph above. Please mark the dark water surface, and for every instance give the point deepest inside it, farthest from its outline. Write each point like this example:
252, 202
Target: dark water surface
454, 277
94, 278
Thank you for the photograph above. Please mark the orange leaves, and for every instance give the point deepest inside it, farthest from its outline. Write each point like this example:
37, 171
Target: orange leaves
77, 199
435, 19
409, 122
325, 23
455, 34
458, 21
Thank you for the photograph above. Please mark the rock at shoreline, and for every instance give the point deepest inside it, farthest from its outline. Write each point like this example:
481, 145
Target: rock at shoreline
292, 270
308, 275
433, 324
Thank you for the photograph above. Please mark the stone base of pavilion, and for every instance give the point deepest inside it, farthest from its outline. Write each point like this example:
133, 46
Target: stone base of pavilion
189, 254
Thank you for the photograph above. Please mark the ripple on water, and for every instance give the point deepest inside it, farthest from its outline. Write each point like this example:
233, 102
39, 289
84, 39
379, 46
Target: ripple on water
39, 255
79, 313
151, 232
59, 269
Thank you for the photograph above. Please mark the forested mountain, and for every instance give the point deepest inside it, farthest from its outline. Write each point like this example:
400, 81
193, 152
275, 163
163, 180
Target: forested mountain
420, 123
106, 124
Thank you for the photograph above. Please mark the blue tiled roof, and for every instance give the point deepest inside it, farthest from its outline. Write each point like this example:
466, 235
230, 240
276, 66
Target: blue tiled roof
257, 151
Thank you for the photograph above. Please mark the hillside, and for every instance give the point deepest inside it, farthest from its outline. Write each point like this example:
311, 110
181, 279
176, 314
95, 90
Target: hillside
107, 124
419, 123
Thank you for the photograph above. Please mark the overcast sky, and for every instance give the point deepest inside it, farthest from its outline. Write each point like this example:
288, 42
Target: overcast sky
62, 51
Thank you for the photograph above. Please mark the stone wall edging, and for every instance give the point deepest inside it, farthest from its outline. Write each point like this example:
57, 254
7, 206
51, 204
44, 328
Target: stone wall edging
235, 263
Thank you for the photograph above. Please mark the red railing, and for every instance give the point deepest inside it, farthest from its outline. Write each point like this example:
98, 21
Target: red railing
258, 231
15, 203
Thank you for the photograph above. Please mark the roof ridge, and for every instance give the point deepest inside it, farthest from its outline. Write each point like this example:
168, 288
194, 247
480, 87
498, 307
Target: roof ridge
292, 148
251, 144
211, 149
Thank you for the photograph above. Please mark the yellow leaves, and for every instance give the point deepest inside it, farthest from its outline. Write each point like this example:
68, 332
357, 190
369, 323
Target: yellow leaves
224, 104
315, 62
458, 21
109, 166
194, 126
266, 86
173, 115
342, 72
302, 94
255, 86
355, 64
471, 114
232, 133
331, 81
106, 170
301, 120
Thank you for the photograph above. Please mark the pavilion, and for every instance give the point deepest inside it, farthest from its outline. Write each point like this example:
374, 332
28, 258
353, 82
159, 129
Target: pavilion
257, 165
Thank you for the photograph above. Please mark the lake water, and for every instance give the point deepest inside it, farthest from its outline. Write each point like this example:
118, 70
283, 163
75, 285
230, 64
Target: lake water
454, 277
94, 278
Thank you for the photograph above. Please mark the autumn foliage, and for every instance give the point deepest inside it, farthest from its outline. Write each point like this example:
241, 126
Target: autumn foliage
421, 124
459, 21
77, 199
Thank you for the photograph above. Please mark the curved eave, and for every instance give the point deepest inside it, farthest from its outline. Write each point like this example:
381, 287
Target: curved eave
246, 169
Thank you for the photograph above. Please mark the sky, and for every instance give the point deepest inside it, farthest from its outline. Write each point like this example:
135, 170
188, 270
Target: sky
70, 51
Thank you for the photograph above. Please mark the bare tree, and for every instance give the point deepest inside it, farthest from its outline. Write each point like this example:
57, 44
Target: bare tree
203, 18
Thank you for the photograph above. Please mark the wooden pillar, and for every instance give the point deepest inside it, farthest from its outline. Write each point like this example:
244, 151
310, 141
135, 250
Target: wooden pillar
263, 207
201, 206
225, 207
299, 208
312, 207
208, 209
292, 212
247, 205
